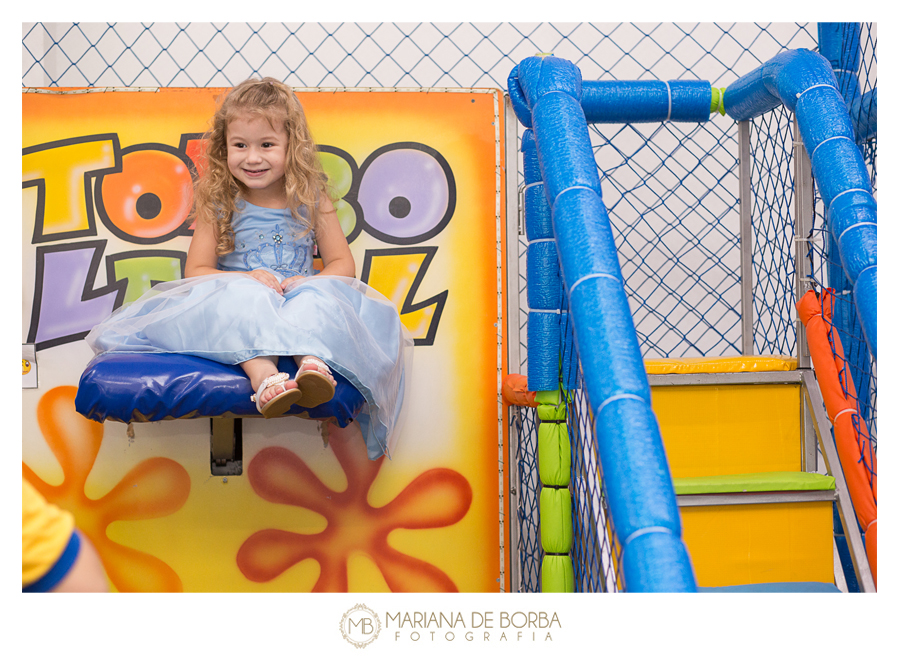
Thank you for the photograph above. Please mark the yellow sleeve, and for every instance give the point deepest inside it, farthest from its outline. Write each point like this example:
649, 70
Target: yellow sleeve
46, 530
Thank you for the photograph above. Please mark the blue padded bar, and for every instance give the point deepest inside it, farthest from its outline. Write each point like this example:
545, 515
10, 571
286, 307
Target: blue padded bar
805, 83
654, 564
543, 350
864, 114
636, 473
642, 101
150, 387
839, 44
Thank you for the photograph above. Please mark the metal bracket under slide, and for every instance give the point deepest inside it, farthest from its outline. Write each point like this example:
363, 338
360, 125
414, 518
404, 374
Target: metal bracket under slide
225, 446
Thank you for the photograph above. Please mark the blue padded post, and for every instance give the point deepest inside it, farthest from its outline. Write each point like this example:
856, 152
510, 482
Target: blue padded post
635, 469
864, 114
805, 83
839, 43
542, 268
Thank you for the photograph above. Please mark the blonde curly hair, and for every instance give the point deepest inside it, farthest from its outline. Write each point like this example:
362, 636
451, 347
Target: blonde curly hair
216, 190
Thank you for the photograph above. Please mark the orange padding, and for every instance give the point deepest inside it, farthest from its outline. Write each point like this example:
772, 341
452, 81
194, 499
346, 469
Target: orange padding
713, 364
830, 366
515, 391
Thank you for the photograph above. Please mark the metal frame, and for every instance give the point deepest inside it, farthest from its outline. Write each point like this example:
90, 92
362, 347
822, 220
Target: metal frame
746, 234
804, 209
755, 498
513, 356
726, 378
225, 437
815, 403
803, 223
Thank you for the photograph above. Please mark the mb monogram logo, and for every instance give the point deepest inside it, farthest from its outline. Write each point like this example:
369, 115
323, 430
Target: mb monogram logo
360, 626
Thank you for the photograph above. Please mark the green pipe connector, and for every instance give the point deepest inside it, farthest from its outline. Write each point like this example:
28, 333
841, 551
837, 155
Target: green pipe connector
717, 104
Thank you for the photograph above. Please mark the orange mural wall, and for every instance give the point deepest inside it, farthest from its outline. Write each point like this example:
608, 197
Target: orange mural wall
106, 190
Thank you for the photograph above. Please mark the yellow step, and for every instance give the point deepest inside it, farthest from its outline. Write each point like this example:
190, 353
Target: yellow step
722, 428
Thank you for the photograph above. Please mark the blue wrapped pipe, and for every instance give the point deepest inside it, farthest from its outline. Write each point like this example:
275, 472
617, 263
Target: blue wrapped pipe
624, 101
569, 359
642, 101
633, 458
542, 270
540, 77
564, 133
664, 572
805, 83
603, 323
530, 163
543, 350
778, 81
538, 225
517, 98
864, 115
631, 450
839, 44
543, 275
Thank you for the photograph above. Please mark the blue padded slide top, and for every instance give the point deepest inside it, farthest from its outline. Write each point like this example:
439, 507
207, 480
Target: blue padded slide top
147, 387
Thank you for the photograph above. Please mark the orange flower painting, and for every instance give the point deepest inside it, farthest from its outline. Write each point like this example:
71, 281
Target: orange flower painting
153, 488
436, 498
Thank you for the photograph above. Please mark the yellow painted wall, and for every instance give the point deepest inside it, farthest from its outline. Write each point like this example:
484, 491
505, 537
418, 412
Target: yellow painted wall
425, 521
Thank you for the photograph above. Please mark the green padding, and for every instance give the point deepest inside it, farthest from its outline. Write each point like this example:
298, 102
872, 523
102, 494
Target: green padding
556, 520
551, 412
554, 454
550, 398
747, 482
557, 574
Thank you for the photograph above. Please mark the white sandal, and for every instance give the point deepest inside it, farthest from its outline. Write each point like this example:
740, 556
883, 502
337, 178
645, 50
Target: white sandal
316, 388
281, 402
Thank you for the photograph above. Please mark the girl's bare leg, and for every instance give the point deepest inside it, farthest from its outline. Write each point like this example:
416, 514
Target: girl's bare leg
260, 367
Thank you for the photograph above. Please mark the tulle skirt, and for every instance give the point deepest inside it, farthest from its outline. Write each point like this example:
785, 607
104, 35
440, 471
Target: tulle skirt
232, 317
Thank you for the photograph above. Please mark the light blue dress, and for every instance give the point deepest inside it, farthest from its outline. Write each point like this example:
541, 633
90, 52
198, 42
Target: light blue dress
231, 318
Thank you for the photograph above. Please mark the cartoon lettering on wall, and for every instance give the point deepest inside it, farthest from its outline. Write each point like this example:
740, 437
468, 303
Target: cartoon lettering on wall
62, 173
66, 305
403, 194
148, 200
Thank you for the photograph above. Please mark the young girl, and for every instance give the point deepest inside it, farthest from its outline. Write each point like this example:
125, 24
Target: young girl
250, 297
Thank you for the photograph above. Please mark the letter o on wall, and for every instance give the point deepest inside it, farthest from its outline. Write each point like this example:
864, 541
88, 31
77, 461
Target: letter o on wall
407, 193
149, 200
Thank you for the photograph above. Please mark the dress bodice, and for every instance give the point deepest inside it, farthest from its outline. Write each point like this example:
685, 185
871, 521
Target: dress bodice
269, 238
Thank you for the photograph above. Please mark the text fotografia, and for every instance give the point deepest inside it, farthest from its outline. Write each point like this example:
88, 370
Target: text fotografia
476, 627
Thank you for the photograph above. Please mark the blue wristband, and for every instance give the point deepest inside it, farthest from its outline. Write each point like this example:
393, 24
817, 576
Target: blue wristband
59, 570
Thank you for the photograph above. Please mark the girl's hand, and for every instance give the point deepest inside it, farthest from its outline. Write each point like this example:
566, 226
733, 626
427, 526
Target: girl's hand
267, 278
291, 282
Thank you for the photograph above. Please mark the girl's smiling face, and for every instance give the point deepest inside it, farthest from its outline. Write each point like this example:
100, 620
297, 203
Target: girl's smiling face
256, 158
